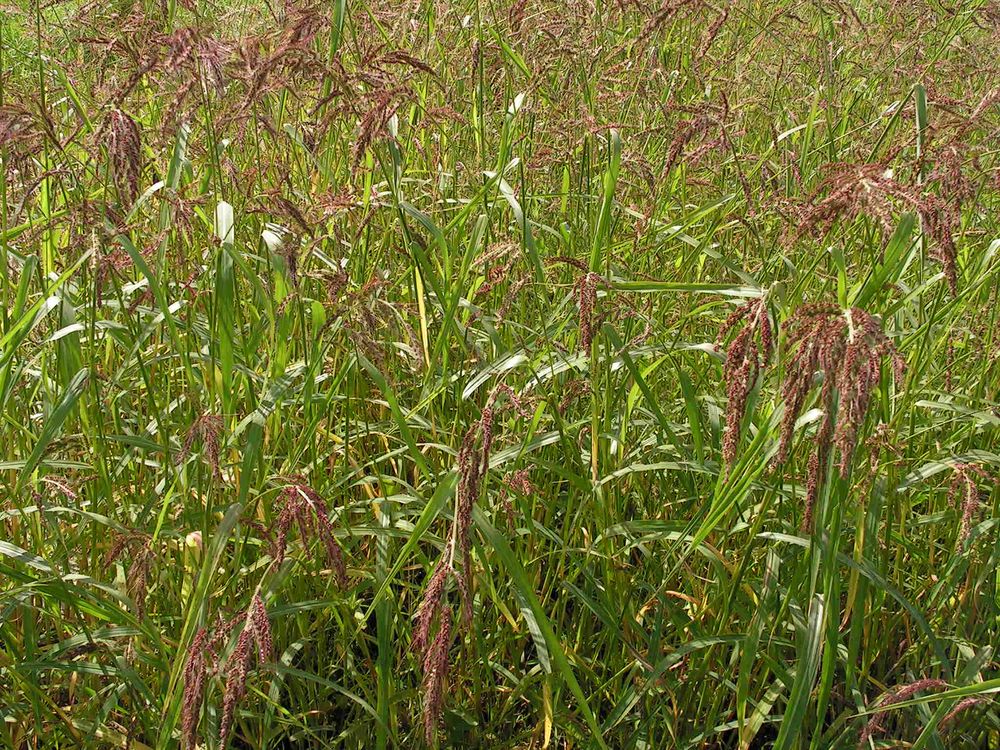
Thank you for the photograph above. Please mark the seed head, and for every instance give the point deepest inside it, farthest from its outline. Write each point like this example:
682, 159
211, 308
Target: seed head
585, 288
708, 38
261, 625
586, 294
747, 354
497, 264
965, 485
124, 148
201, 663
137, 575
963, 705
18, 125
470, 475
456, 560
430, 606
305, 508
852, 190
435, 674
373, 122
696, 127
195, 672
207, 428
236, 684
900, 694
256, 631
847, 348
519, 482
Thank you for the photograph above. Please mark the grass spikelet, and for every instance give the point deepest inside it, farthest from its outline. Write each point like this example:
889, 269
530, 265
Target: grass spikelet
712, 32
137, 574
430, 606
519, 482
195, 673
456, 560
374, 121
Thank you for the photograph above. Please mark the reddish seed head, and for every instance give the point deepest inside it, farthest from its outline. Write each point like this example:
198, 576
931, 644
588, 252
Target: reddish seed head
430, 606
847, 348
585, 288
435, 674
137, 575
456, 560
586, 293
471, 467
256, 630
236, 684
17, 124
261, 626
305, 508
179, 49
747, 354
813, 480
900, 694
965, 484
194, 684
686, 131
138, 578
373, 122
519, 482
208, 429
124, 148
852, 190
960, 707
712, 32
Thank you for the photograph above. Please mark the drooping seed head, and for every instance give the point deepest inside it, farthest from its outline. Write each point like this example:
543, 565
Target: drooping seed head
746, 356
236, 683
902, 693
124, 148
208, 429
846, 348
195, 672
430, 606
435, 674
961, 707
305, 508
261, 625
965, 485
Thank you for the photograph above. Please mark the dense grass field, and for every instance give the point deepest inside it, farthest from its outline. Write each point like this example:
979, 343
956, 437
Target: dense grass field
558, 374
